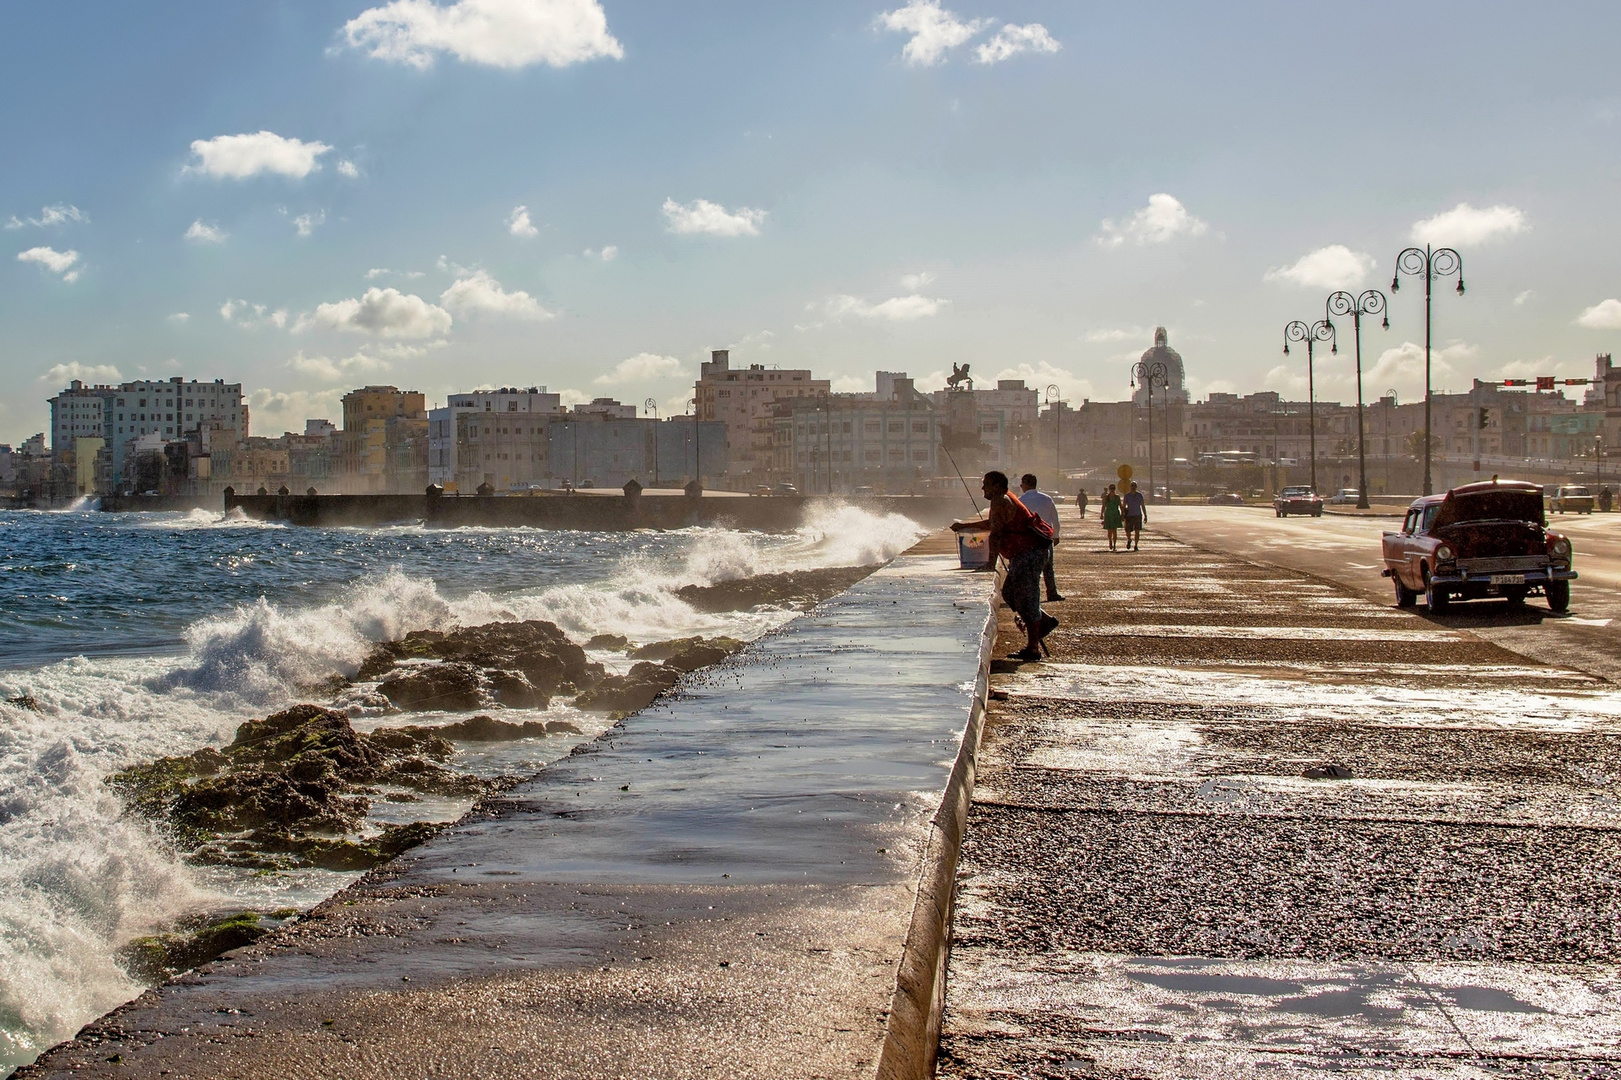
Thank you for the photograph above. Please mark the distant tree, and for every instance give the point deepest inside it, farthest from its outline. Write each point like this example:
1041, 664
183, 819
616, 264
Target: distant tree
1415, 444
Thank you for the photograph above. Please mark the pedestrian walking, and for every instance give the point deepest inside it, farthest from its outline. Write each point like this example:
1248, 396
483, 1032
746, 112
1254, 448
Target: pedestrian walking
1023, 539
1136, 508
1080, 502
1111, 515
1042, 505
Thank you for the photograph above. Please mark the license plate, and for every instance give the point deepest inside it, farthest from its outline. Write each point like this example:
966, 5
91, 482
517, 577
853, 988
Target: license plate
1508, 579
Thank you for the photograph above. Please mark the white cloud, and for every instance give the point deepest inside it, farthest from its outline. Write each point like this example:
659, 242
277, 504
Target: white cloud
914, 282
348, 170
499, 33
1465, 225
252, 316
895, 309
518, 223
382, 271
62, 374
306, 224
1164, 218
237, 157
1519, 301
573, 397
1071, 387
1604, 315
321, 367
1012, 40
479, 292
1333, 267
57, 262
643, 367
935, 31
703, 216
288, 410
610, 252
1135, 333
384, 312
180, 317
60, 214
1400, 367
852, 384
198, 233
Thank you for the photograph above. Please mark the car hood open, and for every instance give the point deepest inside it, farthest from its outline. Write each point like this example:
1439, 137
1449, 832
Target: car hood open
1495, 503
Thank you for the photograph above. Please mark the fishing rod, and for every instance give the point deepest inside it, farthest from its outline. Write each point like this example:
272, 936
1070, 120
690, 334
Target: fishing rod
958, 471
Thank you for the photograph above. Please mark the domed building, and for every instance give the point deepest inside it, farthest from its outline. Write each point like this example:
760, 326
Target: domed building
1175, 376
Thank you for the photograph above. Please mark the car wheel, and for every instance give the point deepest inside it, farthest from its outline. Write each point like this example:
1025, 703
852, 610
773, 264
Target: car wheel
1405, 597
1434, 599
1317, 513
1558, 596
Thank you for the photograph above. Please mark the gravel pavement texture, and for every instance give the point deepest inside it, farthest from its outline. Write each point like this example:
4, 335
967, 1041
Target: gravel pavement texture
1246, 822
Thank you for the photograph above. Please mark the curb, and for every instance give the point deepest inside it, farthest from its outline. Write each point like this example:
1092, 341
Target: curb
912, 1032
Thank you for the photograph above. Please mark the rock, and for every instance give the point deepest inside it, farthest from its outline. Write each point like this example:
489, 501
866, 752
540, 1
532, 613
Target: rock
161, 957
539, 649
514, 690
609, 643
797, 587
628, 693
448, 687
690, 653
1327, 772
24, 701
478, 729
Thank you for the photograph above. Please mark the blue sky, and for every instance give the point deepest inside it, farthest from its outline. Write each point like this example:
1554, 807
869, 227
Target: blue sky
305, 197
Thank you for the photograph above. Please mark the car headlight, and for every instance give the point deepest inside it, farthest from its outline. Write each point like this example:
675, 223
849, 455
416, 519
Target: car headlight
1560, 548
1444, 553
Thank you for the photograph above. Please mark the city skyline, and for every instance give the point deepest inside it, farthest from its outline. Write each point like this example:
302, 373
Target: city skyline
306, 200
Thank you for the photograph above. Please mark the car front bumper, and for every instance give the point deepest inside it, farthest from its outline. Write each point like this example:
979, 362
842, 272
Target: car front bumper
1457, 579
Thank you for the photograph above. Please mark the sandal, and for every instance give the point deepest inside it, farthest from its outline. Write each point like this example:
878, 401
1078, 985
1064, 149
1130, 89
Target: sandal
1026, 653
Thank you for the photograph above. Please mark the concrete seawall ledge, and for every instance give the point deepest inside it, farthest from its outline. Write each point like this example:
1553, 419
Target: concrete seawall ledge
744, 880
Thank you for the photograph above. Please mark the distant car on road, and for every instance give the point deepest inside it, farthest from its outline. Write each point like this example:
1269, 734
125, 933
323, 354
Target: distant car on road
1479, 540
785, 489
1298, 500
1571, 499
1344, 497
1226, 498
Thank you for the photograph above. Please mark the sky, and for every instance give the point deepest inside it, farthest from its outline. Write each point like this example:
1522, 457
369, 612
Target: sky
443, 195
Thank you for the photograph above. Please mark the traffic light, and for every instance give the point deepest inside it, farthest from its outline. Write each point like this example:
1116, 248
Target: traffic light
1483, 415
1545, 382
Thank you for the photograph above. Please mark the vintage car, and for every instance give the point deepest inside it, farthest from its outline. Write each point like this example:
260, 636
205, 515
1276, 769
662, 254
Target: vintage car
1226, 498
1298, 500
1344, 497
1571, 499
1479, 540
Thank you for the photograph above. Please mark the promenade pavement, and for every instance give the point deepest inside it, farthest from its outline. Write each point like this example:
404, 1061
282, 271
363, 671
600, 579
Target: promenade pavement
1248, 822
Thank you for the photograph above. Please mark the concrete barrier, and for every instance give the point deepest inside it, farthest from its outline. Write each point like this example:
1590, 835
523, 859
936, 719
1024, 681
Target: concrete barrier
912, 1034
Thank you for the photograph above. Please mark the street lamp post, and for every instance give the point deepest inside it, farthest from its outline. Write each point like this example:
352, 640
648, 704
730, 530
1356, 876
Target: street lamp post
1371, 302
653, 407
1321, 330
1055, 405
1391, 394
1432, 263
1148, 374
697, 449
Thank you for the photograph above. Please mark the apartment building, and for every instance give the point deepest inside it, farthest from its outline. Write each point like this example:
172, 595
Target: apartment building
743, 400
842, 442
167, 408
442, 431
384, 442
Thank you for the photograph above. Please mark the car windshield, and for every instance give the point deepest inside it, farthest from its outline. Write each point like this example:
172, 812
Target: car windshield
1296, 491
1577, 491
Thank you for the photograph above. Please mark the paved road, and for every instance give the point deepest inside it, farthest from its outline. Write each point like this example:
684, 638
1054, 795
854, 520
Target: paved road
1249, 821
1345, 549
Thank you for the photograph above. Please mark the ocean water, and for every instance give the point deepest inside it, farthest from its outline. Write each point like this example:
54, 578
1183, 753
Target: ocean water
150, 634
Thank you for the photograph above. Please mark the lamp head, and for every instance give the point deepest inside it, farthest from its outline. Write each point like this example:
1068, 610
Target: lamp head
1285, 348
1395, 283
1386, 322
1460, 284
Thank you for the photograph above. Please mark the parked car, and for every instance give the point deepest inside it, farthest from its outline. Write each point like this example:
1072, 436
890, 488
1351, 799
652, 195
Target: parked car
1571, 499
1344, 497
1479, 540
785, 489
1226, 498
1298, 500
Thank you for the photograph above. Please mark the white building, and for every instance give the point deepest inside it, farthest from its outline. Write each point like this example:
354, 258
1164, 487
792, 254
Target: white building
442, 422
79, 412
168, 408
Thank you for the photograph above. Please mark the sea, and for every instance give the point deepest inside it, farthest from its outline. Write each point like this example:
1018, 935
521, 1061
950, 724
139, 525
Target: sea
125, 637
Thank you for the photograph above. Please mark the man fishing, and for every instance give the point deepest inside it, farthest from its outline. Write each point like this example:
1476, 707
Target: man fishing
1024, 540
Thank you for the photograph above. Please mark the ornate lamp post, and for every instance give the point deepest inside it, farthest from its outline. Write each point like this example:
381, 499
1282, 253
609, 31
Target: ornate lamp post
1055, 405
1432, 263
1148, 374
1371, 302
1321, 330
653, 407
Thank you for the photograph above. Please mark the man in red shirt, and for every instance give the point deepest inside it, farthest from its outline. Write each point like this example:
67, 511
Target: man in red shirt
1015, 535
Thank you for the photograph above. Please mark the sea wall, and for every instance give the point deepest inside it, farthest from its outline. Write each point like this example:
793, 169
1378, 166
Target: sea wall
603, 512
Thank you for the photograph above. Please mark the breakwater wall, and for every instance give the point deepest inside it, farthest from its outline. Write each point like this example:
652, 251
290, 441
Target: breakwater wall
598, 513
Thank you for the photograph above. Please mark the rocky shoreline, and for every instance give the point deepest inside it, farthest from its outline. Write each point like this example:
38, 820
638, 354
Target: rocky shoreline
295, 789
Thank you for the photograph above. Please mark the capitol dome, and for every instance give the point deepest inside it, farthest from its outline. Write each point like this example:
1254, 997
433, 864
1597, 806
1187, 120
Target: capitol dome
1175, 375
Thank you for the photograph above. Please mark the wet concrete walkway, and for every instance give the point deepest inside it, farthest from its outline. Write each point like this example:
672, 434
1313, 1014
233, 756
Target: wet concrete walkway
1249, 823
720, 887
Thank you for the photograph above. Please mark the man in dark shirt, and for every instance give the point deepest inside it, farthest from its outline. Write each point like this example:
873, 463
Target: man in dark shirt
1136, 508
1013, 538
